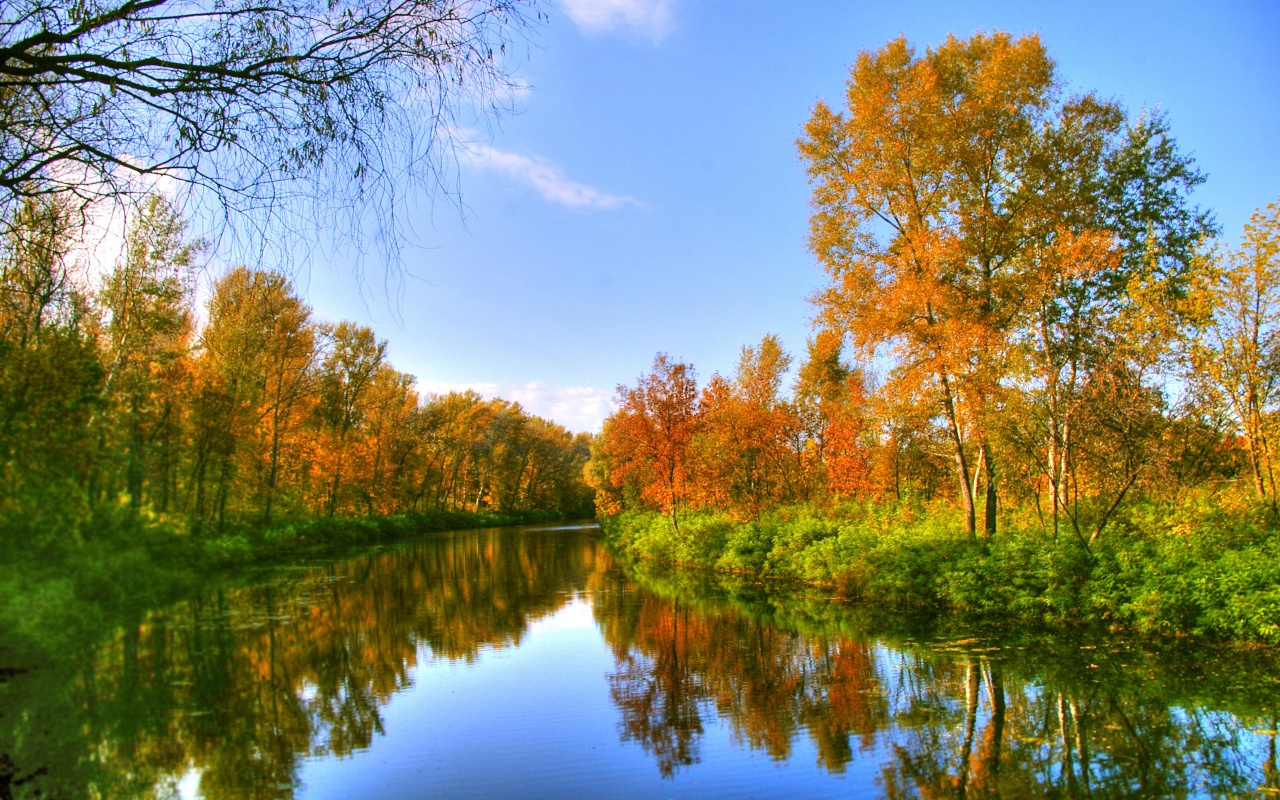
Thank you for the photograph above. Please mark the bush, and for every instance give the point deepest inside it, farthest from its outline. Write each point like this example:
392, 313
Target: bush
747, 548
233, 549
1207, 565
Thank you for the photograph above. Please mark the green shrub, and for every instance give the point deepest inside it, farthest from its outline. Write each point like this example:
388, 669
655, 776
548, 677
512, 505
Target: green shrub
233, 549
1207, 565
701, 540
747, 548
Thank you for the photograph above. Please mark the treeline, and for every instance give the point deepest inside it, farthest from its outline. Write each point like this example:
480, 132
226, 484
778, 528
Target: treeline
1025, 312
115, 393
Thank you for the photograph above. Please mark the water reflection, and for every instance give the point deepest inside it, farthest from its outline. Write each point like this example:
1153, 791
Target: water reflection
674, 661
961, 718
240, 684
235, 692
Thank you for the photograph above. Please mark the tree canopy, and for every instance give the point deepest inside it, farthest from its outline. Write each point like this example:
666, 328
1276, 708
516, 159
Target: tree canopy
271, 110
974, 216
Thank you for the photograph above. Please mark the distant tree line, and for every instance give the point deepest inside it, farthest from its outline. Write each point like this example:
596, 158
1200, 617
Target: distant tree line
115, 392
1024, 312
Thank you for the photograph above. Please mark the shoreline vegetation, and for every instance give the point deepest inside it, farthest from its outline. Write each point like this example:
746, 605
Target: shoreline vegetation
1202, 568
146, 448
127, 565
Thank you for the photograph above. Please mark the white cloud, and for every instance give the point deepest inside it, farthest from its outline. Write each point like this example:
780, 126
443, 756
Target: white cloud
545, 178
651, 18
578, 408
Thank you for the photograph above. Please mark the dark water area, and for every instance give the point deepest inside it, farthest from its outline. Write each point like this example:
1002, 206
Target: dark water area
528, 662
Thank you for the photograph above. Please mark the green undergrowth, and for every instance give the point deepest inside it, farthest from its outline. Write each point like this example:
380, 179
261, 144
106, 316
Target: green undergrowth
55, 590
1234, 677
1200, 567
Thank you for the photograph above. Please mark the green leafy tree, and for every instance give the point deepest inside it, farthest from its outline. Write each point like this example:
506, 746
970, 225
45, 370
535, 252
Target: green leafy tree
50, 378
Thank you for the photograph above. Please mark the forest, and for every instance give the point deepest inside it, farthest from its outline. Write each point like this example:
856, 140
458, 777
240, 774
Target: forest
120, 394
1039, 381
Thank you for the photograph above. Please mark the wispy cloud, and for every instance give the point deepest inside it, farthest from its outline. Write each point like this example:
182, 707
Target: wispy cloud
545, 178
578, 408
651, 18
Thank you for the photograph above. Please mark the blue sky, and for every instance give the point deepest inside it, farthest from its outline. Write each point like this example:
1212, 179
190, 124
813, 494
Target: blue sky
646, 195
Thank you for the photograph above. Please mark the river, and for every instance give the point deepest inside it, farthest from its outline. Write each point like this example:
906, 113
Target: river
528, 662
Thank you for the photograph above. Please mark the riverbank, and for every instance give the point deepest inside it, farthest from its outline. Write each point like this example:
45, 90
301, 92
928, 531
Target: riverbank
123, 563
1198, 568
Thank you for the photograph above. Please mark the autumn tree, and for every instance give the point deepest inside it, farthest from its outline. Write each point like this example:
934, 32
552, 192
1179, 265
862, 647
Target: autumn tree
833, 408
915, 224
553, 474
966, 208
290, 384
392, 442
609, 497
566, 485
346, 380
746, 460
1236, 356
650, 433
453, 424
254, 372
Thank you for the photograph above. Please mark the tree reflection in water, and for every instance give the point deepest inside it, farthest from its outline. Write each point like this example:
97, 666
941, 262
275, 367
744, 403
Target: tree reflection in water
242, 684
955, 719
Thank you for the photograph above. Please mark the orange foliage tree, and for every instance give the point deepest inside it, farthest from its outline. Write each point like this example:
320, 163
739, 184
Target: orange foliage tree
744, 446
916, 220
1235, 359
837, 429
980, 225
650, 435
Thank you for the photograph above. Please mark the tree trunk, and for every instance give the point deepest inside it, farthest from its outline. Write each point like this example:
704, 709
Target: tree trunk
989, 518
962, 463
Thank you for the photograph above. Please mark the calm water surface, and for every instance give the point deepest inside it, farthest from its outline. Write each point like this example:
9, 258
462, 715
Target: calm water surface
528, 663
